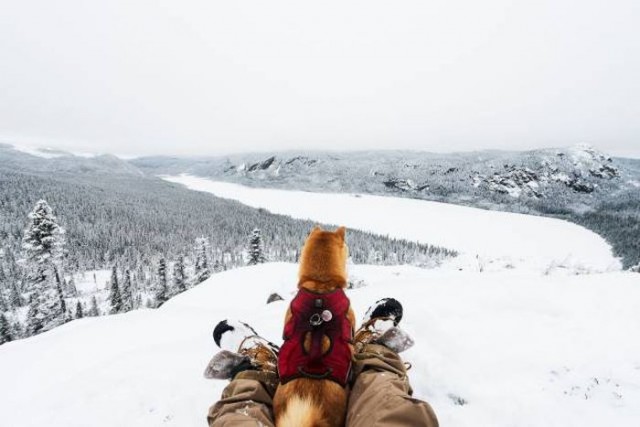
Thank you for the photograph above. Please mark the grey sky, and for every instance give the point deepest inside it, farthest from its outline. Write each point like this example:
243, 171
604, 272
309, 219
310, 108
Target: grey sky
207, 77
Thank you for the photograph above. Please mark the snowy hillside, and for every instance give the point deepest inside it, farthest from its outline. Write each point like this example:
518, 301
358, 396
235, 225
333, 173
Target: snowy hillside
506, 338
493, 349
496, 239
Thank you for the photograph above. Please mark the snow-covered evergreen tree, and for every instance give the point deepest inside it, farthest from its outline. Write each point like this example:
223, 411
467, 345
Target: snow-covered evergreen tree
255, 251
60, 308
94, 311
42, 245
202, 270
3, 275
179, 276
127, 292
115, 298
72, 291
15, 298
79, 310
36, 319
17, 330
161, 291
5, 329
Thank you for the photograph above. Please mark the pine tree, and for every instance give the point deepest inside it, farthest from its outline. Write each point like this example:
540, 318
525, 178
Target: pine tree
161, 291
93, 311
179, 276
255, 251
60, 307
5, 330
115, 298
17, 330
35, 317
42, 245
79, 310
3, 275
127, 292
71, 287
15, 298
202, 260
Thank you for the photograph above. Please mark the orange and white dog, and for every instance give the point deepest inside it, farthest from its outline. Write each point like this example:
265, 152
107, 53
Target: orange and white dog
315, 360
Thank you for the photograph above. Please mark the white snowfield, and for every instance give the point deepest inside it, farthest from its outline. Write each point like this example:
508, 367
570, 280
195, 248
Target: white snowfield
508, 346
492, 349
497, 239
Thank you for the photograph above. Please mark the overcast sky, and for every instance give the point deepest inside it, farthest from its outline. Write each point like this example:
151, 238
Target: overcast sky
211, 77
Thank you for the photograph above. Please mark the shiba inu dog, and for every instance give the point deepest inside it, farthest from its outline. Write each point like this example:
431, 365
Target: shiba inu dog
315, 360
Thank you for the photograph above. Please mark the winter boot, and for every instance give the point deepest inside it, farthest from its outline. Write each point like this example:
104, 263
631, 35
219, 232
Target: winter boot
242, 349
380, 326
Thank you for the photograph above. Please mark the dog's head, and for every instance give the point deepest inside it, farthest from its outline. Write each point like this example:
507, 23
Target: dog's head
323, 261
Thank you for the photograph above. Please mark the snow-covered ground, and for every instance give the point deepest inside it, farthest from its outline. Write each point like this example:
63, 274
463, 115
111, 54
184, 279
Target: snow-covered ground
496, 239
92, 281
493, 349
88, 284
505, 347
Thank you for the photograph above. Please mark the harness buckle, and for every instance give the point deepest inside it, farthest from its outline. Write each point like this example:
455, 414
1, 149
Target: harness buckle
315, 319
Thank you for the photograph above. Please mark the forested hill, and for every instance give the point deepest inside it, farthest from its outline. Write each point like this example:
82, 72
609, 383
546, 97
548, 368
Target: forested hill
580, 184
128, 220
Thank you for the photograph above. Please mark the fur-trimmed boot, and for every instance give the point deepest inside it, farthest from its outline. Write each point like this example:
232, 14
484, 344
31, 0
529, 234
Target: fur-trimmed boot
380, 326
242, 349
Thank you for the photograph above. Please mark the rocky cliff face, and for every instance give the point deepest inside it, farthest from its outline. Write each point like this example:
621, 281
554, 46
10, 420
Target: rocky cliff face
535, 174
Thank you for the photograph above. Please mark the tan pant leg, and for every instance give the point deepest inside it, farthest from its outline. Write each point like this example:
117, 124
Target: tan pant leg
381, 394
246, 401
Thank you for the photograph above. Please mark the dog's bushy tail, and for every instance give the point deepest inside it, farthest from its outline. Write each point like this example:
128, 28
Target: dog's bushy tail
301, 412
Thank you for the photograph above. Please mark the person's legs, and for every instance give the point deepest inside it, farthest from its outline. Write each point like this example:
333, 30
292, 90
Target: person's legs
381, 394
246, 401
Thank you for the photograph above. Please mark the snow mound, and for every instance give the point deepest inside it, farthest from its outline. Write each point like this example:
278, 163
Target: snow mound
492, 349
497, 239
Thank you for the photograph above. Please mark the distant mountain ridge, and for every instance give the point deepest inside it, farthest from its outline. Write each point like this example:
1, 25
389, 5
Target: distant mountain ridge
48, 160
535, 174
580, 183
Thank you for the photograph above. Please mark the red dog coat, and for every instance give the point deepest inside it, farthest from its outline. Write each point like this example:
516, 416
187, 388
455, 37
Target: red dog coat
321, 315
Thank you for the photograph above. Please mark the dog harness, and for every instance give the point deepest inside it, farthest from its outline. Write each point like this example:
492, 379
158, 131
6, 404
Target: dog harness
320, 315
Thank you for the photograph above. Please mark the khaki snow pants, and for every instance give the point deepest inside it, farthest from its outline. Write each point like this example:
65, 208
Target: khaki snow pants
379, 396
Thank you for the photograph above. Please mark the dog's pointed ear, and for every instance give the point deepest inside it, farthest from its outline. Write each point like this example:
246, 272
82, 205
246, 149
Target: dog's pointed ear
341, 232
315, 229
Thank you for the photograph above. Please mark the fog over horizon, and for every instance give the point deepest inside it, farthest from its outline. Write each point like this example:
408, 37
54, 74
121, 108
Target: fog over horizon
202, 78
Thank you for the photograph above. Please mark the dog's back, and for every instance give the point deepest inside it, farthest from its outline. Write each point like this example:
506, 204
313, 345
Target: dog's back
310, 400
